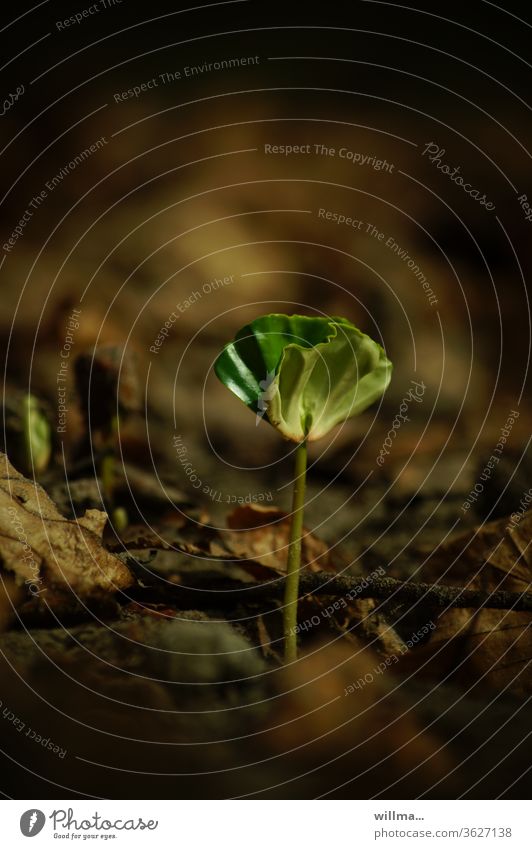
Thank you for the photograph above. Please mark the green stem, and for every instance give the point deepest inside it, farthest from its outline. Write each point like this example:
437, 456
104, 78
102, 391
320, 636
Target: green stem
108, 464
294, 555
118, 514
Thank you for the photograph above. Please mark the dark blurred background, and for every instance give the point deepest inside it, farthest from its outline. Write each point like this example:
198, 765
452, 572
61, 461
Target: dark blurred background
181, 192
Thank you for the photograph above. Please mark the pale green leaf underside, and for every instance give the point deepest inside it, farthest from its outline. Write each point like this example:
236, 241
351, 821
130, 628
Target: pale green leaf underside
325, 371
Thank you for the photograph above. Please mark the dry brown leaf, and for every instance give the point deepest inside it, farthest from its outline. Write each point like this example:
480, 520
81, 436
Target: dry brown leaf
189, 554
261, 533
496, 553
255, 543
375, 627
493, 647
43, 551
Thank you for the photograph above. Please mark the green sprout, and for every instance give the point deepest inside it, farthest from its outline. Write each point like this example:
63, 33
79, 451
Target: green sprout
108, 472
37, 435
304, 375
27, 433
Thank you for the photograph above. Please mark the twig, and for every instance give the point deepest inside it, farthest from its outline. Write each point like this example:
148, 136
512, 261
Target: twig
407, 591
325, 584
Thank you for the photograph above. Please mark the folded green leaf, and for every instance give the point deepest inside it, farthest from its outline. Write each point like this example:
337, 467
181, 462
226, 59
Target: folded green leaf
304, 374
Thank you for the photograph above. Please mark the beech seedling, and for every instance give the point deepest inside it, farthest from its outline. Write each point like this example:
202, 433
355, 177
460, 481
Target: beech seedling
304, 375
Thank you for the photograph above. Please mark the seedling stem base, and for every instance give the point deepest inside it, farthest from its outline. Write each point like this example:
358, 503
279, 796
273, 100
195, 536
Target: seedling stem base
294, 555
